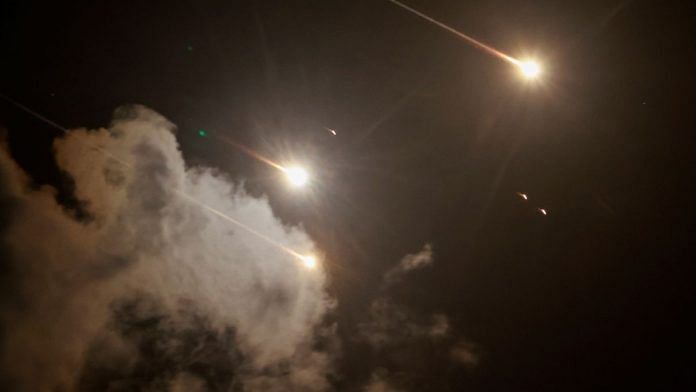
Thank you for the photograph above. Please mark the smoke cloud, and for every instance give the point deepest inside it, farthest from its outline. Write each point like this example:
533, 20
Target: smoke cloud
389, 323
145, 290
409, 263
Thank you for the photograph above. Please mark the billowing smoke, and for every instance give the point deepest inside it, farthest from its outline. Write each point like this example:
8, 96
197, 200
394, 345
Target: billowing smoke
147, 290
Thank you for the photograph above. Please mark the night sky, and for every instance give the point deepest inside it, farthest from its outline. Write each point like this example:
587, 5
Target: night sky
434, 141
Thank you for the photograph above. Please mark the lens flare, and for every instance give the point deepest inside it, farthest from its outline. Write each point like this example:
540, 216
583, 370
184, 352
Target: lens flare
530, 69
297, 176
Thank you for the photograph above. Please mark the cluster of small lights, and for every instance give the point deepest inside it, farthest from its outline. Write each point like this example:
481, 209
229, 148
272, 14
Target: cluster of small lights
524, 197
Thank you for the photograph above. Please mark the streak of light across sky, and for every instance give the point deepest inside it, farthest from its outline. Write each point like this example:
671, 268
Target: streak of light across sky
309, 261
297, 176
228, 218
249, 152
529, 68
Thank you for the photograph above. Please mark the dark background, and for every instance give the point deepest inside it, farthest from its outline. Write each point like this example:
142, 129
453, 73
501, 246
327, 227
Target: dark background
434, 140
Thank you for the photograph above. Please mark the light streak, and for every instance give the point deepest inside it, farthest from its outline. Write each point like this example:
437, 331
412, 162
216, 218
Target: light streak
33, 113
250, 152
240, 224
529, 68
297, 176
61, 128
476, 43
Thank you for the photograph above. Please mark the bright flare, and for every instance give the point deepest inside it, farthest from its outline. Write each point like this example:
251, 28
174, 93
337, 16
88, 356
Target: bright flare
530, 69
309, 261
297, 175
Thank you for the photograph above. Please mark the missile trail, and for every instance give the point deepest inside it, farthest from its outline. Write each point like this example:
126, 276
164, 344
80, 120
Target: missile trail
297, 176
238, 223
182, 194
250, 152
33, 113
59, 127
466, 38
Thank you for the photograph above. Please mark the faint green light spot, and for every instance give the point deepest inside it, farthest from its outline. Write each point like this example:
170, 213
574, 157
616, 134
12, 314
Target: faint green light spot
202, 133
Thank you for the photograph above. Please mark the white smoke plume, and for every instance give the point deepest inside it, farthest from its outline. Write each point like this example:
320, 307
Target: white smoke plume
409, 263
152, 292
389, 323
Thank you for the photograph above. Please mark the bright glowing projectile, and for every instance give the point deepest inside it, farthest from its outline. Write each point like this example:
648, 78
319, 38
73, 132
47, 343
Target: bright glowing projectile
543, 211
522, 195
297, 175
529, 68
309, 261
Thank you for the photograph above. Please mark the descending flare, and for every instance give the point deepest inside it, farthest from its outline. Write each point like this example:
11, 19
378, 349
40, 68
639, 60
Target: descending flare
296, 175
530, 69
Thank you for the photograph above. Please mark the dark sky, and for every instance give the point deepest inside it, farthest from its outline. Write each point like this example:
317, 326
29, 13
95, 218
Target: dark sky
434, 140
